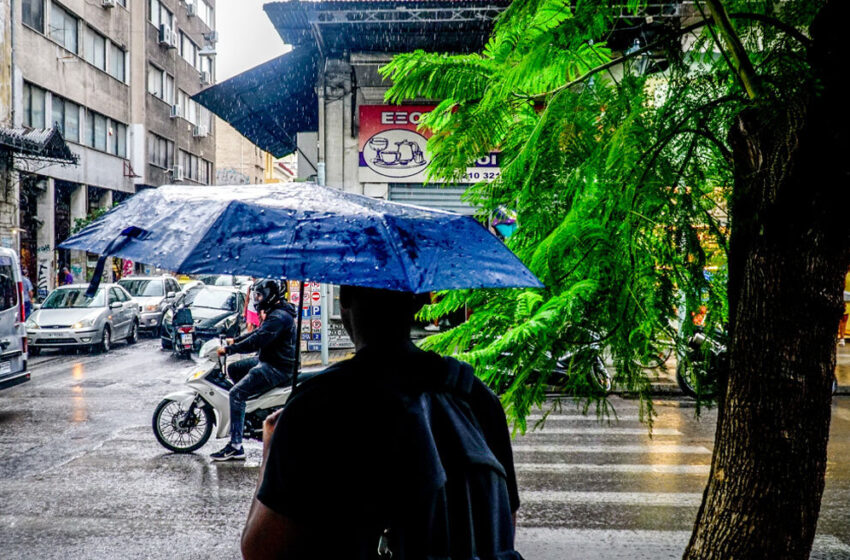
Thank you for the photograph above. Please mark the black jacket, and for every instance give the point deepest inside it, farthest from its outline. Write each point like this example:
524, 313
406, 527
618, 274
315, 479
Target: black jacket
275, 339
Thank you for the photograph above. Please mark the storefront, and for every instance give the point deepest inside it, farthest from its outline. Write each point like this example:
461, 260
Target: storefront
324, 100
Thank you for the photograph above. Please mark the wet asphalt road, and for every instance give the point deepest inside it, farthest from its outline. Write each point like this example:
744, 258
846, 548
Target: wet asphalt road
81, 475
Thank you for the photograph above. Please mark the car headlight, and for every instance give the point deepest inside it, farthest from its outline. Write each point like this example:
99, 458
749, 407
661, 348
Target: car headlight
82, 324
152, 307
31, 324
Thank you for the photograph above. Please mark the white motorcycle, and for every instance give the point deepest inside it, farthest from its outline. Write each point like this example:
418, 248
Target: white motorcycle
183, 421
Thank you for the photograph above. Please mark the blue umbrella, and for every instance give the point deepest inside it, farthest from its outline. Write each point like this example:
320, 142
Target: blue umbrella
302, 230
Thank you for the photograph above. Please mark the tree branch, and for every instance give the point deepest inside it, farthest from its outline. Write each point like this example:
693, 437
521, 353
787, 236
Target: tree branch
741, 62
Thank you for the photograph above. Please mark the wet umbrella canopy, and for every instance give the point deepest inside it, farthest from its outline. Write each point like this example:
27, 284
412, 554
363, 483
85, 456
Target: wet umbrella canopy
304, 231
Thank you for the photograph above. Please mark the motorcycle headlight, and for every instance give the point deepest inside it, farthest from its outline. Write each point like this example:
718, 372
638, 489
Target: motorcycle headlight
82, 324
152, 307
196, 375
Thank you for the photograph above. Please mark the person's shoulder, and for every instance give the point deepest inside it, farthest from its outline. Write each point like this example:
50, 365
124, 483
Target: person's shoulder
335, 380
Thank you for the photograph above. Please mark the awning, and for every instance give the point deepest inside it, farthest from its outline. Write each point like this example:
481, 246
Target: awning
270, 103
37, 143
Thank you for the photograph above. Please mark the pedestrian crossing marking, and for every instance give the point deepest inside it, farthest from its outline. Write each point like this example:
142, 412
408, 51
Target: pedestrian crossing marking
584, 418
605, 431
619, 498
618, 468
639, 449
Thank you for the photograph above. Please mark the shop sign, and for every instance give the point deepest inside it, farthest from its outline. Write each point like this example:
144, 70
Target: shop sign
314, 346
392, 150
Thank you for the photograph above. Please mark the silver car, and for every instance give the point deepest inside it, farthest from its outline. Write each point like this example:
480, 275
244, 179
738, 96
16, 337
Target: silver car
153, 294
68, 319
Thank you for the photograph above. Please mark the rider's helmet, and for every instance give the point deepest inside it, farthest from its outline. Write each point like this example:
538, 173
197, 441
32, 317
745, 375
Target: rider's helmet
266, 294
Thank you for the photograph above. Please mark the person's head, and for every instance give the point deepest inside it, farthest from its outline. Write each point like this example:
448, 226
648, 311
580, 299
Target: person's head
266, 294
369, 314
24, 271
65, 269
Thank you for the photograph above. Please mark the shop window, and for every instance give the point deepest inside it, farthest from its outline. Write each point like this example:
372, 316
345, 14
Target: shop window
94, 50
34, 106
63, 27
116, 62
32, 14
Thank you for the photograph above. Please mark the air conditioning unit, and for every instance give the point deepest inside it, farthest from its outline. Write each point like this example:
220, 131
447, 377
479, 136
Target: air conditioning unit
167, 37
211, 37
205, 77
108, 3
191, 9
177, 173
200, 131
175, 111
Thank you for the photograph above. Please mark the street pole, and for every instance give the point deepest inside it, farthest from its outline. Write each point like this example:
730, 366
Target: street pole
323, 290
320, 179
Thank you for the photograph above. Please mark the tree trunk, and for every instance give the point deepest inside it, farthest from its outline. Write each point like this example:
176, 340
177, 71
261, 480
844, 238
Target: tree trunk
788, 257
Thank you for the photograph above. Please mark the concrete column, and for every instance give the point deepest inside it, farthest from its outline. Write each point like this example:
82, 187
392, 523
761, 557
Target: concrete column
106, 202
79, 210
45, 236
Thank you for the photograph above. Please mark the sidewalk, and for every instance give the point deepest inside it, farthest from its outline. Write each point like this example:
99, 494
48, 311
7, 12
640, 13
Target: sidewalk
663, 379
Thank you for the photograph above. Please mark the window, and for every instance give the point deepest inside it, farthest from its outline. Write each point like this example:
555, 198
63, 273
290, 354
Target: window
96, 131
160, 151
94, 48
118, 139
116, 62
8, 286
32, 13
205, 172
205, 12
34, 110
66, 116
63, 28
159, 14
160, 84
188, 50
155, 81
195, 168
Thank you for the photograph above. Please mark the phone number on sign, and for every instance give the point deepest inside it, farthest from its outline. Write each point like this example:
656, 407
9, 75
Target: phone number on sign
481, 175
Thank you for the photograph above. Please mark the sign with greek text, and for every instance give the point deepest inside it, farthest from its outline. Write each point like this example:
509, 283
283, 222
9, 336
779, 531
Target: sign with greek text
392, 150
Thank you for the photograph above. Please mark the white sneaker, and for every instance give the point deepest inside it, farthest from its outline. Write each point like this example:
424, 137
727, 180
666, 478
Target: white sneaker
432, 328
841, 342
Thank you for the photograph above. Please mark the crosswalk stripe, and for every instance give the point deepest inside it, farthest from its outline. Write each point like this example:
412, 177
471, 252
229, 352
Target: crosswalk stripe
618, 498
650, 448
572, 541
584, 418
618, 468
580, 430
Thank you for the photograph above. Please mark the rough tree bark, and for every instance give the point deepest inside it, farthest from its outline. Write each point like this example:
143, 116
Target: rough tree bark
788, 256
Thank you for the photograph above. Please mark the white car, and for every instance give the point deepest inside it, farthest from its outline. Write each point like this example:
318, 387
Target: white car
68, 319
153, 294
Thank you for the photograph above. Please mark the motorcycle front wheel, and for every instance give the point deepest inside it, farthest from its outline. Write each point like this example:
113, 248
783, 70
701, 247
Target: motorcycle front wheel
176, 432
693, 379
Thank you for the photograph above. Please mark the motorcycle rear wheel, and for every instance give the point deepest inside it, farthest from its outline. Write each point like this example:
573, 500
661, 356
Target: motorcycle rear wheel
181, 439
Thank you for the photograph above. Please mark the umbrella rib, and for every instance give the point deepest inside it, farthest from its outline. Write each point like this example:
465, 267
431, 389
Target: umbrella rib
221, 213
388, 231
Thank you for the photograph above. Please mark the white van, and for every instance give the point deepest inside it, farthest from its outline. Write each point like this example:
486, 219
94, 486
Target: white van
13, 333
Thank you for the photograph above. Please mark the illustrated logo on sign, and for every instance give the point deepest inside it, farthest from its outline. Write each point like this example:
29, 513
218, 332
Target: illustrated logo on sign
396, 153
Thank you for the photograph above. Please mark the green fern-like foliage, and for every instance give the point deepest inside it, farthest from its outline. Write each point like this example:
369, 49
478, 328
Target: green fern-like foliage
620, 182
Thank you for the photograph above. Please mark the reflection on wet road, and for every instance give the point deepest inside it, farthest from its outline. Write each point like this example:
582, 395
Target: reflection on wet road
81, 475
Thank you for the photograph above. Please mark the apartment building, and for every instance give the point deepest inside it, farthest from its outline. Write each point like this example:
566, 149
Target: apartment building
113, 78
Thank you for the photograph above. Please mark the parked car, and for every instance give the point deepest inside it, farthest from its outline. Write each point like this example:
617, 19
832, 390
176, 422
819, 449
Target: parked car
215, 311
153, 294
13, 334
68, 319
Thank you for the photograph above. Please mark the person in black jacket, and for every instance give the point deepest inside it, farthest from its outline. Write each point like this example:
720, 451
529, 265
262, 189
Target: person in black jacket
275, 340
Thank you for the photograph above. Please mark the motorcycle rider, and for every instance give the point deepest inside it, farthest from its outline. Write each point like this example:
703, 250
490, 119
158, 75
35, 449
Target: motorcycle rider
275, 339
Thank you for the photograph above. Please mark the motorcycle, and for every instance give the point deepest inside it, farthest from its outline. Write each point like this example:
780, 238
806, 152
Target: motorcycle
589, 356
183, 422
182, 331
704, 364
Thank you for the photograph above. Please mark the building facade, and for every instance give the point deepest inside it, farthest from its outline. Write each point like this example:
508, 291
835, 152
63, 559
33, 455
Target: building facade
114, 78
238, 160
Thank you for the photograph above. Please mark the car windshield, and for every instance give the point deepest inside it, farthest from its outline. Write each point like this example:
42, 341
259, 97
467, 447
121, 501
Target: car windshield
214, 299
74, 298
143, 288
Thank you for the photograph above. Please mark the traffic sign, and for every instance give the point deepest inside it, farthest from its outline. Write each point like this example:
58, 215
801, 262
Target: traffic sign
316, 324
316, 297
